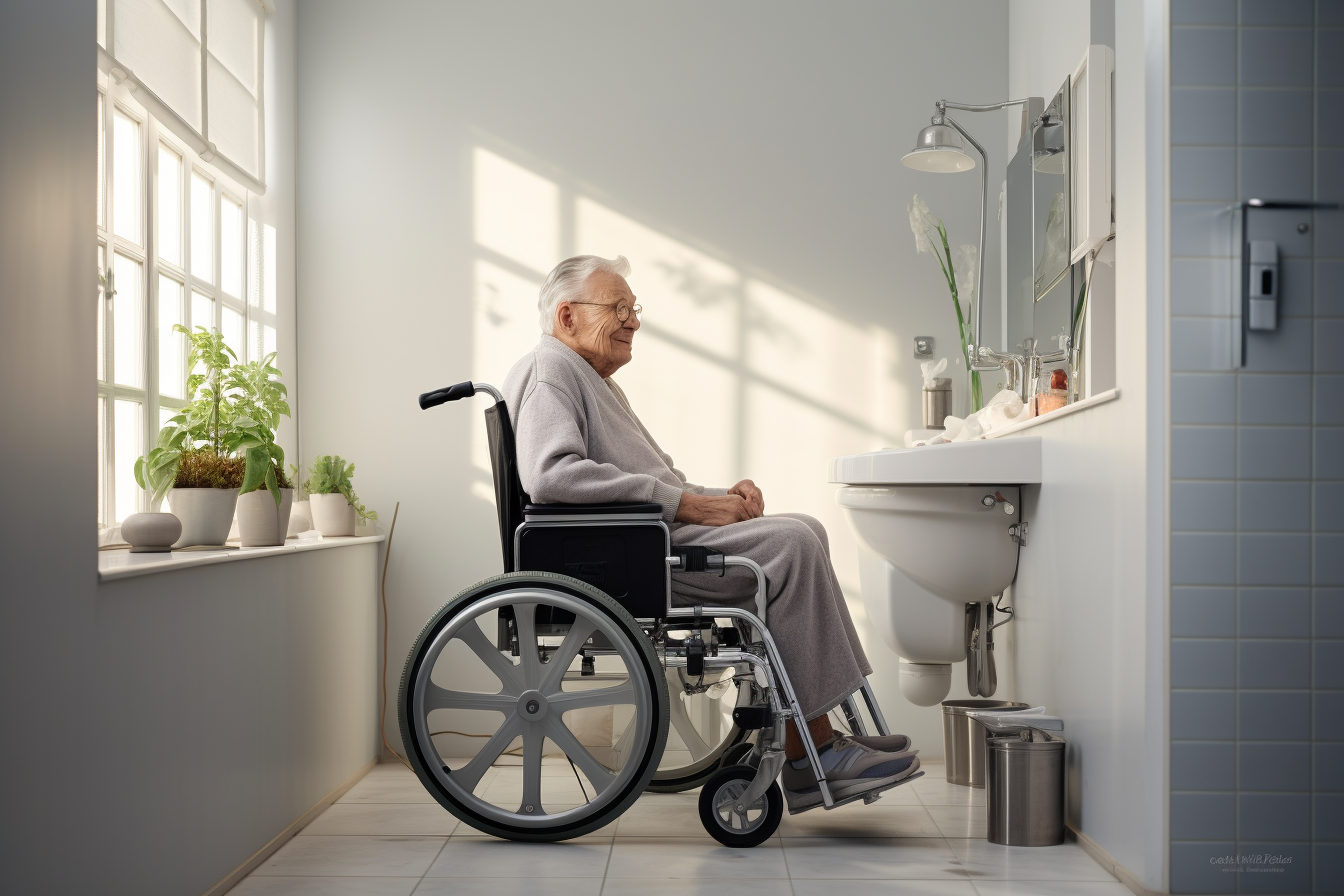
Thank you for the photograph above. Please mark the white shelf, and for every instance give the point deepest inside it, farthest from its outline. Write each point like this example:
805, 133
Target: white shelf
122, 564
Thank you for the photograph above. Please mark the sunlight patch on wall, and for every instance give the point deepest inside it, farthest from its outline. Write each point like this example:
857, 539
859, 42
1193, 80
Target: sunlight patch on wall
504, 320
682, 290
516, 212
842, 364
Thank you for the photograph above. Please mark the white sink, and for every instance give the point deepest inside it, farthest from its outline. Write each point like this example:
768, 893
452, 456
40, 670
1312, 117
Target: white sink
985, 462
936, 532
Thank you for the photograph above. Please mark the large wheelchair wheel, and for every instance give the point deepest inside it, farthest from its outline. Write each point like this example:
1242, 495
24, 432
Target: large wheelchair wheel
702, 731
556, 735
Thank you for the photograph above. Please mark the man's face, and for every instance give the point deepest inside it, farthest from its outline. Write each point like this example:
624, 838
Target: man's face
599, 336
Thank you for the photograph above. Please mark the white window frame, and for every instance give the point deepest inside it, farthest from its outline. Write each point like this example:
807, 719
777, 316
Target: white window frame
146, 253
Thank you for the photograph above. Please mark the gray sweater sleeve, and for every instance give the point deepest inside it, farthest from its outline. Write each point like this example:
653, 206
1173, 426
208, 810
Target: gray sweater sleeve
553, 463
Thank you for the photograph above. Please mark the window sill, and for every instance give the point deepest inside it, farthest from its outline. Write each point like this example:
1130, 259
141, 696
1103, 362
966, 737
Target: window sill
122, 564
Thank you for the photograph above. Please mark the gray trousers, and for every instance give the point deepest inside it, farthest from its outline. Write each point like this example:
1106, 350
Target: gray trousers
807, 615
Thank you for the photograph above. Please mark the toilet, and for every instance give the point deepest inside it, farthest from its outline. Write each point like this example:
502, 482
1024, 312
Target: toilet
938, 528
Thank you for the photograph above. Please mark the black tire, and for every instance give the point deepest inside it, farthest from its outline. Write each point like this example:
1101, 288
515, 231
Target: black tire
430, 768
758, 827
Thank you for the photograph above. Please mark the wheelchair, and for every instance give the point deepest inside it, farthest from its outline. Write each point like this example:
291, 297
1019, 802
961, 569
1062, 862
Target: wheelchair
577, 655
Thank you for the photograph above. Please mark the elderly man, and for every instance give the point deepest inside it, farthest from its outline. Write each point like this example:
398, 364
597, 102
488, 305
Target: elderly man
579, 442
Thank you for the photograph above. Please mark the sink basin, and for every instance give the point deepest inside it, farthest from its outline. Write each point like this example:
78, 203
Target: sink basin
985, 462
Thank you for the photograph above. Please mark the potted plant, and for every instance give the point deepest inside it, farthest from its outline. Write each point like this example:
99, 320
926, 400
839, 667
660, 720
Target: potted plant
190, 451
265, 498
335, 505
300, 513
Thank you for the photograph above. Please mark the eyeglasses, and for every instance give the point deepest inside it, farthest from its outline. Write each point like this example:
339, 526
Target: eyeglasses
621, 308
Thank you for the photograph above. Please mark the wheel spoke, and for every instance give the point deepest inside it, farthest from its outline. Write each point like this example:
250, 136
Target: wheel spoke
533, 738
507, 673
566, 701
441, 698
579, 632
684, 727
469, 775
600, 776
525, 618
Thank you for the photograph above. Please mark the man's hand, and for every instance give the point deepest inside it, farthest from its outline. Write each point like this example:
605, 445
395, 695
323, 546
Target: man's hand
713, 510
748, 491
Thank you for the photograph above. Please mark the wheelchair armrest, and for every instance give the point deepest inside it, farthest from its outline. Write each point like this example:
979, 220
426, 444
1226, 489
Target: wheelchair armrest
540, 512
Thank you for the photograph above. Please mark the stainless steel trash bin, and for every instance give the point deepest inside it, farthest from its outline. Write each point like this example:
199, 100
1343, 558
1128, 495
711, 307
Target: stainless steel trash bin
964, 740
1024, 799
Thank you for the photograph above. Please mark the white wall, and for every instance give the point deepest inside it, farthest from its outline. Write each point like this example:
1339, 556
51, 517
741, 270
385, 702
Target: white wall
744, 156
1087, 636
158, 730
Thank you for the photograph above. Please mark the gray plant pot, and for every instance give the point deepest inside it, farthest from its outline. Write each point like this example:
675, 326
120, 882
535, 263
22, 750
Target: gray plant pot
151, 533
332, 514
206, 514
260, 522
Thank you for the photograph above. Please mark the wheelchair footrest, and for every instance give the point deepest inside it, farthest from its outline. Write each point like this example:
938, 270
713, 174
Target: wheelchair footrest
868, 796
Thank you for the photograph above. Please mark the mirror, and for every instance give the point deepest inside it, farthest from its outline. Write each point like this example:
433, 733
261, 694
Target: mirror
1040, 283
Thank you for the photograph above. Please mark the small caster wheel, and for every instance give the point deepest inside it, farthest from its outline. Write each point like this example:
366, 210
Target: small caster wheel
737, 754
731, 823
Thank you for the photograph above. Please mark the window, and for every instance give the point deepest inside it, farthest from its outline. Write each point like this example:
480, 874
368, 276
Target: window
174, 247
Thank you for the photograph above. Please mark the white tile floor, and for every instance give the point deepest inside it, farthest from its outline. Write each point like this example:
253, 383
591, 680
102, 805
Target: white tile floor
387, 837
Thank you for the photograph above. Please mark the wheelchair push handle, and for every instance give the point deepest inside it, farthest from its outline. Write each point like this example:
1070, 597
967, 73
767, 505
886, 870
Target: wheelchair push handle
453, 393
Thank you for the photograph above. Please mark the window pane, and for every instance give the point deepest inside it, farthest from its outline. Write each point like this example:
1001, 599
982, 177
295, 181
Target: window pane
267, 340
126, 435
126, 181
102, 460
170, 206
101, 160
202, 311
202, 228
128, 323
172, 345
231, 247
166, 414
231, 325
102, 324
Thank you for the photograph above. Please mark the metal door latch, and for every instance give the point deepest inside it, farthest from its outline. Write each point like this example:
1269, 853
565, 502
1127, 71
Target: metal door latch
1018, 532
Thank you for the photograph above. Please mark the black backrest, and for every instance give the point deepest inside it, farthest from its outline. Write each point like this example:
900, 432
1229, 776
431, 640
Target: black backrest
509, 494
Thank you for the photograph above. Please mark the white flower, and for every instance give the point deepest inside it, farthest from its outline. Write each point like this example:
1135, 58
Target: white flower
921, 222
968, 263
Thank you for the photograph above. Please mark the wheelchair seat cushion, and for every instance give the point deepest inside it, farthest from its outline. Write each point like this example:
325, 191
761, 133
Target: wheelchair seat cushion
575, 509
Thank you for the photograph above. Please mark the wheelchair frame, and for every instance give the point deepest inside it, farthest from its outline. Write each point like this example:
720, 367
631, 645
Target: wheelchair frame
755, 658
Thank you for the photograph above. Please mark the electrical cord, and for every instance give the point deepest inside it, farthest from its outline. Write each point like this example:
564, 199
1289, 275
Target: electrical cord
382, 690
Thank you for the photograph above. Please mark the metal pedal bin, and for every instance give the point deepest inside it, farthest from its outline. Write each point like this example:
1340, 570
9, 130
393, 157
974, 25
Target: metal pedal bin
964, 740
1024, 794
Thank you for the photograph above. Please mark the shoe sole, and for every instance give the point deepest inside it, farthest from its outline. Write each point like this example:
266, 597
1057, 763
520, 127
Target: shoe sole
799, 802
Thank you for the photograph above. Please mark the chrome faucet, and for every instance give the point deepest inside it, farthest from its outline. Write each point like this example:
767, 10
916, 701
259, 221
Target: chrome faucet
1024, 370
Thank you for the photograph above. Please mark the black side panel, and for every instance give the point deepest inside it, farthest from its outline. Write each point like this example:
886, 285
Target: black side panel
509, 496
627, 562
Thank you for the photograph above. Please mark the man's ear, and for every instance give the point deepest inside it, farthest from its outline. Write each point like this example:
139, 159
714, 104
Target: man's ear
564, 317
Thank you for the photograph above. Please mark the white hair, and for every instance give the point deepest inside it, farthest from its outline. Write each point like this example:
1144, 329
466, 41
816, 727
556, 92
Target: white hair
568, 280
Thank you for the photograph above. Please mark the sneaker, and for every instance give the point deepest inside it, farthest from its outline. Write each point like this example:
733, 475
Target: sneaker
851, 768
891, 743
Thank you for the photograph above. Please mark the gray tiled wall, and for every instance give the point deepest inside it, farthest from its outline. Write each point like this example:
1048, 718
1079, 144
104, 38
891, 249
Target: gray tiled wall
1257, 452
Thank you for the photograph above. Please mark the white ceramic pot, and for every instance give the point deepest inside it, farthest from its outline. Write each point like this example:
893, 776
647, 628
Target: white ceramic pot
332, 514
260, 521
300, 517
206, 514
150, 533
